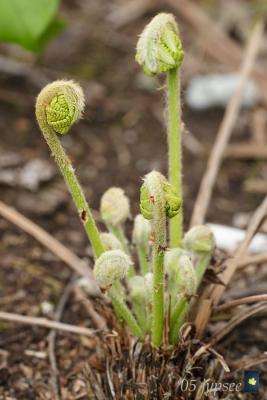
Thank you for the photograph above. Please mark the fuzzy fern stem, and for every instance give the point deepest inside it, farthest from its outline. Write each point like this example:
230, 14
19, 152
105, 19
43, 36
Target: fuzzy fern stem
117, 231
175, 151
143, 259
124, 312
109, 269
175, 321
153, 204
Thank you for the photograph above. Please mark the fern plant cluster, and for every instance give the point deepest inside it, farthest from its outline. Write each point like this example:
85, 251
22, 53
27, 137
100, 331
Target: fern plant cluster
156, 295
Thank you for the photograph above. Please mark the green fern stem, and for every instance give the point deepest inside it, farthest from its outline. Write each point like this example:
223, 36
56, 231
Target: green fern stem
154, 185
175, 322
143, 258
124, 312
175, 151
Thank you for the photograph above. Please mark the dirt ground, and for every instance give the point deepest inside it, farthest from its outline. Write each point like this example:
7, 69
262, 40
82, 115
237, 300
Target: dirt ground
120, 138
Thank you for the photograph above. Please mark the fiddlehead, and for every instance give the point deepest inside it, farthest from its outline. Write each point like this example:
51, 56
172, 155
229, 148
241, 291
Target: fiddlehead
111, 267
201, 242
59, 105
110, 242
199, 239
159, 48
115, 209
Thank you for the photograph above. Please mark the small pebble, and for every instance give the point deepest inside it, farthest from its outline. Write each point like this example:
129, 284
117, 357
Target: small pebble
216, 90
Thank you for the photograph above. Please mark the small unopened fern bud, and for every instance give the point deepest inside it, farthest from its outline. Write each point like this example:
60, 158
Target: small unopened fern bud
199, 239
172, 200
137, 287
159, 48
171, 260
186, 277
111, 266
114, 207
110, 242
141, 230
59, 105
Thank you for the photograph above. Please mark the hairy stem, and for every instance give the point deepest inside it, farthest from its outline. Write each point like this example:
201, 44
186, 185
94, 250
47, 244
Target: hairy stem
175, 151
75, 189
158, 297
143, 258
140, 313
175, 320
202, 265
118, 232
122, 309
153, 182
182, 311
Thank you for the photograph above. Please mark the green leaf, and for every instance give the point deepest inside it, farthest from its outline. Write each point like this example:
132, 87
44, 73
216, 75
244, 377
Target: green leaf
27, 22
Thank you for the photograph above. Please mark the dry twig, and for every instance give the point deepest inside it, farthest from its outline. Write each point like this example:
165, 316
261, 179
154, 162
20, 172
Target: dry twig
231, 265
62, 252
247, 151
206, 348
236, 320
238, 302
131, 11
254, 259
46, 323
225, 130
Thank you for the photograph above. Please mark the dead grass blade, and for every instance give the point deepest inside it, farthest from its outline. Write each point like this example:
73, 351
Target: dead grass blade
231, 264
225, 130
248, 362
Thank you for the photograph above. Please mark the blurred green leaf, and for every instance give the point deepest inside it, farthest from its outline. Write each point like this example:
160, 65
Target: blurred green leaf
53, 29
29, 23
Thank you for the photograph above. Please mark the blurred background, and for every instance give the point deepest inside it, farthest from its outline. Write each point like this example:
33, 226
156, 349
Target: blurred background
122, 134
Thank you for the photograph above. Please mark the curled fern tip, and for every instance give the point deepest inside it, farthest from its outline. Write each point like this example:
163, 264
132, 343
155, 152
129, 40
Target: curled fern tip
59, 105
